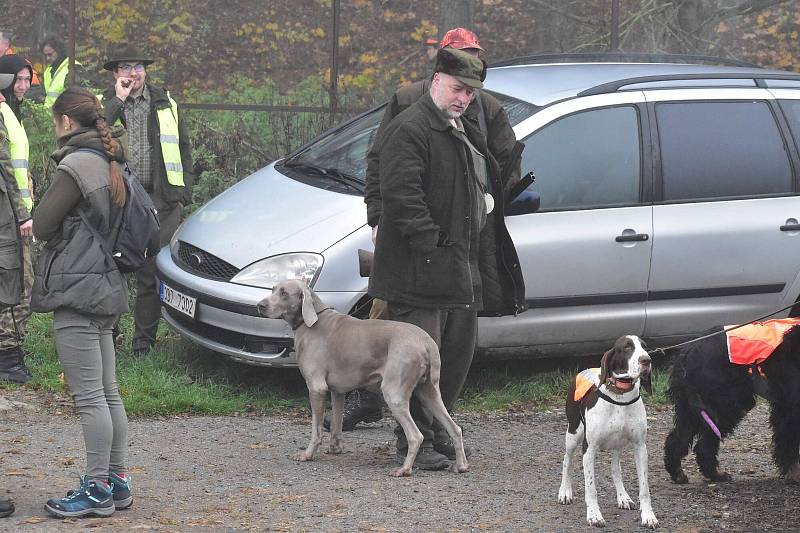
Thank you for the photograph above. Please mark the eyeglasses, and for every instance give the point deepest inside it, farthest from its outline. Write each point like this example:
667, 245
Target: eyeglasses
127, 68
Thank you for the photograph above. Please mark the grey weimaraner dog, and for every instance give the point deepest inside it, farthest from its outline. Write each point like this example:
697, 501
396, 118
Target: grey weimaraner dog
340, 353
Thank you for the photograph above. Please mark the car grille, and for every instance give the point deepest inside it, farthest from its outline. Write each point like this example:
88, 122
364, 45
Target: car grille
200, 262
239, 341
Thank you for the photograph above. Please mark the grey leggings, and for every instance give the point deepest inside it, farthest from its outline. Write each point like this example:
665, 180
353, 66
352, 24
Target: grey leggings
86, 350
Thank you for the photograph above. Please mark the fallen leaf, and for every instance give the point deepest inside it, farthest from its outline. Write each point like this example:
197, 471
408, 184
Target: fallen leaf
33, 520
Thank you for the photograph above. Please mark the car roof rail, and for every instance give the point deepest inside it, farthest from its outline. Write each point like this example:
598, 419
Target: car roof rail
758, 79
642, 57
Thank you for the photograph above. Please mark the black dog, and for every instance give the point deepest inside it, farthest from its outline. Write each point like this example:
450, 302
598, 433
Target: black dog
708, 390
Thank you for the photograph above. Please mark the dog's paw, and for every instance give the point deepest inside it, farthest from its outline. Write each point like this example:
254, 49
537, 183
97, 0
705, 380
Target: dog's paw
720, 476
400, 472
302, 456
594, 518
459, 469
793, 475
625, 502
680, 478
565, 496
335, 449
649, 520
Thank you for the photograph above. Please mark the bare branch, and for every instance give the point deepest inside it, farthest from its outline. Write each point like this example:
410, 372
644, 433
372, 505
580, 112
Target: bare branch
566, 14
745, 8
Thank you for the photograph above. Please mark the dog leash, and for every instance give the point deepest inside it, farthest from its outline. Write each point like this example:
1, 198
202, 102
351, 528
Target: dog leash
663, 351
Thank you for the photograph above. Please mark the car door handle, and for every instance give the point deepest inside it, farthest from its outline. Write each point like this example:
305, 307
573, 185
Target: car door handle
790, 227
632, 237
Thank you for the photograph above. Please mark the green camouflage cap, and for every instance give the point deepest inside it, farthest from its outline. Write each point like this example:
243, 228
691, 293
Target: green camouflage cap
465, 67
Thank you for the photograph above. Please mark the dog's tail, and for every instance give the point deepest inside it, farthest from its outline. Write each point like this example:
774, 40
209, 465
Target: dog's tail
434, 362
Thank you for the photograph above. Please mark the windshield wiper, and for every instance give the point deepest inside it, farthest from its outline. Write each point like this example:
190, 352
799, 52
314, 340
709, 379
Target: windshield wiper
332, 173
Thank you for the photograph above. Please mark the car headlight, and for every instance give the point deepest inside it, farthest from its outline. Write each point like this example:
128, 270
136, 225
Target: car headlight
268, 272
173, 241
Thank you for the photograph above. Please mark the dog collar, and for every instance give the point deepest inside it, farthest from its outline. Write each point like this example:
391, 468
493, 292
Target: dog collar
294, 328
609, 399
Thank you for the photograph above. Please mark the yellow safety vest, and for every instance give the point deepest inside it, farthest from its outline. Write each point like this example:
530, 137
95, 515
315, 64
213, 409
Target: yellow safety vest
169, 139
54, 83
18, 149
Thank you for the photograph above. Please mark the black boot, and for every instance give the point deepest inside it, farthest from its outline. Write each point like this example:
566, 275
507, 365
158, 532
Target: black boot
6, 507
359, 406
12, 366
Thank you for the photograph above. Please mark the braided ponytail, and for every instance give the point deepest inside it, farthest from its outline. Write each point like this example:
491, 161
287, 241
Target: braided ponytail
118, 191
83, 107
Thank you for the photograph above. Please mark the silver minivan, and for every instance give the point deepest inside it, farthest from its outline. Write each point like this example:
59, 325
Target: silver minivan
669, 203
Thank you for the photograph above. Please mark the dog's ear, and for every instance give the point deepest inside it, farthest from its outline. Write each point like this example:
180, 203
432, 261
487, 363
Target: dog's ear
647, 382
604, 363
309, 313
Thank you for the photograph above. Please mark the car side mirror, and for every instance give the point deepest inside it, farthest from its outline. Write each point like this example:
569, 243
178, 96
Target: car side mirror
526, 202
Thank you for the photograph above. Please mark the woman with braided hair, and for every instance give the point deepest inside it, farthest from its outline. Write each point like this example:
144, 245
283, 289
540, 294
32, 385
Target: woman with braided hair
79, 282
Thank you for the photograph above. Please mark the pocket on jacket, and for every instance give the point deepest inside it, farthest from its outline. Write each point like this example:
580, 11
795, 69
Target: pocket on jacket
10, 274
433, 271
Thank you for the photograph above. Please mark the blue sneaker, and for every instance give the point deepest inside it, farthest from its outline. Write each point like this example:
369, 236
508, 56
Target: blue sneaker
92, 498
121, 490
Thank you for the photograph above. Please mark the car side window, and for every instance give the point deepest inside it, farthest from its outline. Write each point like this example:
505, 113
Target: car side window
791, 108
720, 150
586, 160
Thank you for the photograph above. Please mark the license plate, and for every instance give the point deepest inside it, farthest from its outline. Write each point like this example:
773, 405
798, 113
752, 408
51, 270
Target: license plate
177, 300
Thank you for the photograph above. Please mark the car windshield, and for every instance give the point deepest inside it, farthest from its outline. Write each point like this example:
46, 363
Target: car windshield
344, 149
342, 154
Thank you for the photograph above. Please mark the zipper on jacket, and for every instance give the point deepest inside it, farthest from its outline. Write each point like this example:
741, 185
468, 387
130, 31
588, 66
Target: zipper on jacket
473, 209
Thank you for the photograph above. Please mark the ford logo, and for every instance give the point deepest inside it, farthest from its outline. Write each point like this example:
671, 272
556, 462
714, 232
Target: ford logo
195, 260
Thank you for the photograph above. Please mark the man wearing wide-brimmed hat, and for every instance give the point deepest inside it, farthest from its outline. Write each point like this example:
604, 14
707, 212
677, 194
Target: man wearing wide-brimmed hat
160, 155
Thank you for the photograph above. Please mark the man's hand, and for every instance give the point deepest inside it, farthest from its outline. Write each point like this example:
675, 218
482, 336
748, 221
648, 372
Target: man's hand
26, 228
374, 234
123, 87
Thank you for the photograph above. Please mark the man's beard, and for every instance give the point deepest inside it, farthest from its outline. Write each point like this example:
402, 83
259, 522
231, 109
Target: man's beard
444, 108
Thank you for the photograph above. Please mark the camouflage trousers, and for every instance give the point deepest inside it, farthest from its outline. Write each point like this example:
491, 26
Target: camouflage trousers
11, 334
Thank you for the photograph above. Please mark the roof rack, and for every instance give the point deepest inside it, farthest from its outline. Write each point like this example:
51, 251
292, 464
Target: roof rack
641, 57
614, 86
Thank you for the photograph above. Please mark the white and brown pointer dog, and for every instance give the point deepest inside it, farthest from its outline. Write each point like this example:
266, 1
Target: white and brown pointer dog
339, 353
610, 416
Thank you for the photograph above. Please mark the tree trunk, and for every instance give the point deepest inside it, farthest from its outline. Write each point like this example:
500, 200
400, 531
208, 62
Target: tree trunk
456, 14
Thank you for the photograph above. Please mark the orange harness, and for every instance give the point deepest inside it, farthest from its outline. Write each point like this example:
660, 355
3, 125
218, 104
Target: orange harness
752, 344
584, 381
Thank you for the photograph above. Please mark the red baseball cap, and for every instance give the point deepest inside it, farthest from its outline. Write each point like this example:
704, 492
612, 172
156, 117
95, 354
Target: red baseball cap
460, 38
430, 41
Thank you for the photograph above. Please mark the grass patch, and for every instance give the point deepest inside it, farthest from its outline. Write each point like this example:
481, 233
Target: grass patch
175, 378
181, 378
513, 385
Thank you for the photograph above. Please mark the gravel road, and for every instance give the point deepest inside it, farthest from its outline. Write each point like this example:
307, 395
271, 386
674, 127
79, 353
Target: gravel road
234, 473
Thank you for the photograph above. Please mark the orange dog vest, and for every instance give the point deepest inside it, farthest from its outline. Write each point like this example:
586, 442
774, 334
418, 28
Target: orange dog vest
754, 343
585, 380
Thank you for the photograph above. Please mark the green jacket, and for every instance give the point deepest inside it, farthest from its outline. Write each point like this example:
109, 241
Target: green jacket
162, 190
429, 250
12, 213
